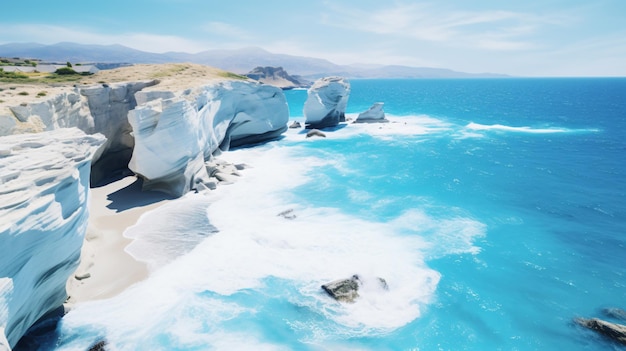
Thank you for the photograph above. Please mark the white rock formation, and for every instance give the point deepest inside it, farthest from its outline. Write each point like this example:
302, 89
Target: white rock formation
99, 108
175, 135
64, 110
375, 114
44, 182
326, 102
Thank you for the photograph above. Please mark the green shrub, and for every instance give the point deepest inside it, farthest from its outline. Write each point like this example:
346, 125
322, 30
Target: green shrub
65, 70
23, 93
41, 93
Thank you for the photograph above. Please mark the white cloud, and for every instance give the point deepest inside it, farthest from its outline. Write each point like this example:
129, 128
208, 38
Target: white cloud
490, 30
226, 30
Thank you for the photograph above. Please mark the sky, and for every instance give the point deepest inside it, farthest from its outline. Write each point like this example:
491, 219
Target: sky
521, 38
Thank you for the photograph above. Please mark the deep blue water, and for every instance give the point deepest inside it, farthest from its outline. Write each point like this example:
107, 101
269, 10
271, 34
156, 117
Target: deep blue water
554, 203
495, 209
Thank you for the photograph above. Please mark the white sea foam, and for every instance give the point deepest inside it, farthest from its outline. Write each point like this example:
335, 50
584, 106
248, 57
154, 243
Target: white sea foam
414, 125
524, 129
304, 246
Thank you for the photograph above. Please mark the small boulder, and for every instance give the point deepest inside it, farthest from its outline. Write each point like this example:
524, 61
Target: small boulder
295, 125
315, 132
616, 332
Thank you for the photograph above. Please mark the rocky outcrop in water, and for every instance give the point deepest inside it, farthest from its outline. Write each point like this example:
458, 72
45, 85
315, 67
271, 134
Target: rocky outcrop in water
375, 114
44, 182
326, 102
613, 331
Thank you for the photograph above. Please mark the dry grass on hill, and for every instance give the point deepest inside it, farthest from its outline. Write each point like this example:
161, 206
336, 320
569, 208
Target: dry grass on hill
171, 76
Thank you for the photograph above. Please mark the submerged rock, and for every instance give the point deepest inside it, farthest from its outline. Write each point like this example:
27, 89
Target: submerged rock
616, 332
375, 114
326, 102
616, 313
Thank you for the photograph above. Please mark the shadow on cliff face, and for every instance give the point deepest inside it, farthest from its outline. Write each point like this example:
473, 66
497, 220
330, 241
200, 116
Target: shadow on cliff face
132, 196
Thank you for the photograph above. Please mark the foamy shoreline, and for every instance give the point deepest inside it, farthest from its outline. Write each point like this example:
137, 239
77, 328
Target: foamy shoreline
106, 269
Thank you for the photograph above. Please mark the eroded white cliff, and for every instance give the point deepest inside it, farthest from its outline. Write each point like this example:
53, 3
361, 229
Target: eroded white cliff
326, 102
45, 175
44, 183
65, 109
101, 108
176, 133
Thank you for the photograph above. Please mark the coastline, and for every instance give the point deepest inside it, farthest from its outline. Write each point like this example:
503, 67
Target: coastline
105, 268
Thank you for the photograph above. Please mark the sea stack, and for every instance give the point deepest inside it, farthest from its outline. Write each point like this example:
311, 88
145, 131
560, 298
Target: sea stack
375, 114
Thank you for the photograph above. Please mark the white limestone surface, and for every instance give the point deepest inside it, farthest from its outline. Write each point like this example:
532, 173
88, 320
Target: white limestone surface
64, 109
44, 188
326, 103
175, 135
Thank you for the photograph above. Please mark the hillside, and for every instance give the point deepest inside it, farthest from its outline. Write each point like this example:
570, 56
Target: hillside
239, 61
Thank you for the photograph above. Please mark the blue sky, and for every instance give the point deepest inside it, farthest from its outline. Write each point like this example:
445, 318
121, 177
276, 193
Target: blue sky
527, 38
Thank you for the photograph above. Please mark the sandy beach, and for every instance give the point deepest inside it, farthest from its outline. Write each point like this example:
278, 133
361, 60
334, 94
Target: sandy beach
106, 268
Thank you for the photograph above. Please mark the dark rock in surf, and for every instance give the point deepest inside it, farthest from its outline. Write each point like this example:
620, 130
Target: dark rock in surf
99, 346
315, 132
615, 332
343, 290
287, 214
346, 290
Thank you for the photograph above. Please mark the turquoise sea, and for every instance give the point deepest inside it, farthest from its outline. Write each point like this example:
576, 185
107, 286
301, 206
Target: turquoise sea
495, 209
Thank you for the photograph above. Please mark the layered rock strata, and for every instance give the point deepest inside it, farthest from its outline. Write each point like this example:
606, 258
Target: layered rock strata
44, 183
326, 102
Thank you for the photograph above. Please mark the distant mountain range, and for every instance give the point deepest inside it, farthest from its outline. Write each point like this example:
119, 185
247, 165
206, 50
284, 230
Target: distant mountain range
239, 61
